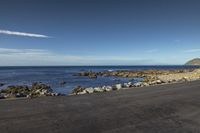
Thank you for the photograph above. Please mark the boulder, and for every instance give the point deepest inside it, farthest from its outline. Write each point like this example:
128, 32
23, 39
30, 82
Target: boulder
145, 84
138, 84
82, 92
128, 85
89, 90
107, 88
98, 89
118, 86
77, 90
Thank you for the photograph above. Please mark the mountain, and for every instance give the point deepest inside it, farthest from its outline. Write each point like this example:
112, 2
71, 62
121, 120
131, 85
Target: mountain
195, 61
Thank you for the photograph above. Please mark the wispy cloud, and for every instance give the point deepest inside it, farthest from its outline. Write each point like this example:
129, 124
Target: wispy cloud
191, 50
16, 33
24, 57
152, 50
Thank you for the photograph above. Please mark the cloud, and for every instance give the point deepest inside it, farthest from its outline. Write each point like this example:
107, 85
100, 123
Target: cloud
152, 50
41, 57
7, 32
191, 50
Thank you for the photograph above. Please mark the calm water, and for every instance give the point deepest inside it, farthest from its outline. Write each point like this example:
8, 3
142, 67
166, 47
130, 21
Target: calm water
53, 75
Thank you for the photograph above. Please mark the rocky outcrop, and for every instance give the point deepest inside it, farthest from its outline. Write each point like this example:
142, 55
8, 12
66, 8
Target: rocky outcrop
36, 90
131, 73
154, 78
89, 74
195, 61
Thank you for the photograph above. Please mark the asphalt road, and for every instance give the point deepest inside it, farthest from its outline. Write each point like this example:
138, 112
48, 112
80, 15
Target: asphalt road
171, 108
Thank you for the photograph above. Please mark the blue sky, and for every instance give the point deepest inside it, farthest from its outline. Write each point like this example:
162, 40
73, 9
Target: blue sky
99, 32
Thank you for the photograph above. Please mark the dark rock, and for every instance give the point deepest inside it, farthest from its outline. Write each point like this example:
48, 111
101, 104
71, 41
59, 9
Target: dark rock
89, 74
77, 90
2, 84
62, 82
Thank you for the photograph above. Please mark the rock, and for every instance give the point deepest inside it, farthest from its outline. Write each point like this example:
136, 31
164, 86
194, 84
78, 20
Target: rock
145, 84
36, 90
118, 87
138, 84
62, 82
40, 86
89, 90
98, 89
15, 91
55, 94
89, 74
107, 88
128, 85
77, 90
2, 84
93, 76
82, 92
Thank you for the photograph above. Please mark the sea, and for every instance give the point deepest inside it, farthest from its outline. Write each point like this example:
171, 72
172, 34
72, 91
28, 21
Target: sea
53, 75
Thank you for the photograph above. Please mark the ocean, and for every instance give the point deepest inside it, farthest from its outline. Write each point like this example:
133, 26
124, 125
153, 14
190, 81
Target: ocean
53, 75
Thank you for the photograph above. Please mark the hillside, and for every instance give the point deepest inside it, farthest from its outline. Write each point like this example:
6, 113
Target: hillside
195, 61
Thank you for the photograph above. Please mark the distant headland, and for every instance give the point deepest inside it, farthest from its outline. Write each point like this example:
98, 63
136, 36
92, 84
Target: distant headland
195, 61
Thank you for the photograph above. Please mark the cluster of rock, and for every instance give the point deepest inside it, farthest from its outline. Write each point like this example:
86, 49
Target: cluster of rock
89, 74
80, 90
159, 77
131, 73
36, 90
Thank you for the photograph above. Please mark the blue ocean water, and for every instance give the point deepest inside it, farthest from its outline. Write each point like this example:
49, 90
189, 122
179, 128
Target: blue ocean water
54, 75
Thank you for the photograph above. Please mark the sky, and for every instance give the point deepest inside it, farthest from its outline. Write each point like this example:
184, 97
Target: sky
98, 32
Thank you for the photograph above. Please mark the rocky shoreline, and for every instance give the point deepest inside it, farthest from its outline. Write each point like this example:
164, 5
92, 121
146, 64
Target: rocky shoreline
150, 77
18, 91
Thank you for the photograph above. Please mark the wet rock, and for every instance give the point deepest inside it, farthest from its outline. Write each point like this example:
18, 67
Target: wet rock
2, 84
77, 90
62, 82
15, 91
89, 74
36, 90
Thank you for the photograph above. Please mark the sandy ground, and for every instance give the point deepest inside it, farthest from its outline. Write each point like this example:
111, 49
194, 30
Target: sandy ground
172, 108
190, 76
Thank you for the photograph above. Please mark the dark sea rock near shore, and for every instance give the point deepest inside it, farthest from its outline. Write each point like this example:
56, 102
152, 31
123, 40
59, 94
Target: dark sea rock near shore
89, 74
36, 90
132, 74
2, 84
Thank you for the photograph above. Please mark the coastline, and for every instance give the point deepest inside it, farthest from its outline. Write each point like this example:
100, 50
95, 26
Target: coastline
149, 78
